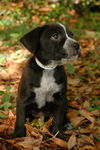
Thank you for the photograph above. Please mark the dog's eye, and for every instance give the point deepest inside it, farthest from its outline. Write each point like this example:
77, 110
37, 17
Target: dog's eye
55, 36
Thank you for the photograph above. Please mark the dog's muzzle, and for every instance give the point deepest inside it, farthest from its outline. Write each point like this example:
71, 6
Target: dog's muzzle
72, 48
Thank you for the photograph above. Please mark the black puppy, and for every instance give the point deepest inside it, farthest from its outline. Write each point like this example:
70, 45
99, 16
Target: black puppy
43, 84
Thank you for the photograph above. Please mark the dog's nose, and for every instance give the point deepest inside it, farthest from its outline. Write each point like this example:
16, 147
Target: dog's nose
76, 45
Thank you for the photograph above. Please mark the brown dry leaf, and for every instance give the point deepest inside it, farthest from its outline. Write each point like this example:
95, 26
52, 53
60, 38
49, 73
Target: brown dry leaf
95, 113
73, 82
11, 141
50, 122
72, 12
3, 127
80, 142
31, 129
30, 142
74, 104
88, 147
1, 43
34, 133
59, 142
2, 144
97, 123
86, 104
4, 75
98, 145
87, 115
74, 118
77, 120
71, 142
35, 19
36, 148
91, 125
45, 129
14, 69
69, 132
86, 130
88, 139
84, 44
45, 9
11, 115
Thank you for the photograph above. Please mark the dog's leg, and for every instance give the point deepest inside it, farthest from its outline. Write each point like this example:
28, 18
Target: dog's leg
20, 130
59, 118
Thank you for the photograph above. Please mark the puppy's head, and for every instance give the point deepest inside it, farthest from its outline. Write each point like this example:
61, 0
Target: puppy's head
52, 44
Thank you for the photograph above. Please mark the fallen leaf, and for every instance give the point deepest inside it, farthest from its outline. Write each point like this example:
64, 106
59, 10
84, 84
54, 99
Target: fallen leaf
74, 104
95, 113
35, 19
73, 82
86, 104
91, 125
87, 115
36, 148
1, 43
11, 115
74, 118
59, 142
88, 147
32, 131
80, 142
86, 130
88, 139
30, 142
71, 142
98, 145
45, 9
3, 128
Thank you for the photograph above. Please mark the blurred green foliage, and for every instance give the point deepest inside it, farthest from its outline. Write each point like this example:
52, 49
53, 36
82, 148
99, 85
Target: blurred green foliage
95, 104
2, 116
7, 97
14, 22
70, 69
87, 4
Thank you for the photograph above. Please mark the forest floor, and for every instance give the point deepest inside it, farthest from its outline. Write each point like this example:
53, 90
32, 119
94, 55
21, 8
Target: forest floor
83, 93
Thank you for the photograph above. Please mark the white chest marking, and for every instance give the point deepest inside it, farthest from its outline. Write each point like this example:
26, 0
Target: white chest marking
47, 88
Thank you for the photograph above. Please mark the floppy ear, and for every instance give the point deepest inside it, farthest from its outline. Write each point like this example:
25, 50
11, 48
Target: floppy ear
31, 39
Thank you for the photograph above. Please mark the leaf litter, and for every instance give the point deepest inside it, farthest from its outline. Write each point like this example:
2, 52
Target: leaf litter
83, 114
84, 136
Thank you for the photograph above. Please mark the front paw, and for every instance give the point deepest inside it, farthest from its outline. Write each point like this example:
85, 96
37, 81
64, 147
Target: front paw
19, 132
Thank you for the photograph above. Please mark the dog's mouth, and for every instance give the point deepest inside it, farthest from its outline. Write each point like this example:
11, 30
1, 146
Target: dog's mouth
62, 61
72, 57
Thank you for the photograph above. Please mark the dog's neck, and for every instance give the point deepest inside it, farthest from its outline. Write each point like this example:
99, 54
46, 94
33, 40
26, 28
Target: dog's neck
46, 67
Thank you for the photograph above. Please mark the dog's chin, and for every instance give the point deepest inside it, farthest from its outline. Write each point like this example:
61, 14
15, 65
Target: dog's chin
64, 60
72, 57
